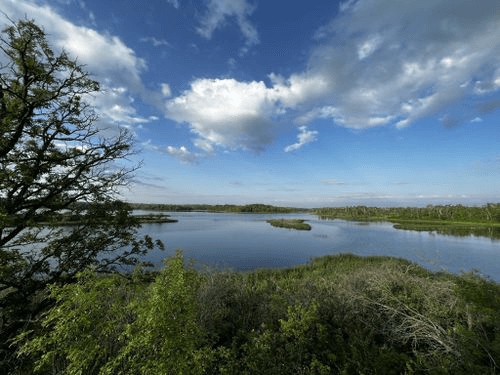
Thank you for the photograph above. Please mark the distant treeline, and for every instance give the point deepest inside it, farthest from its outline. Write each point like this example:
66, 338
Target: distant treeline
489, 213
249, 208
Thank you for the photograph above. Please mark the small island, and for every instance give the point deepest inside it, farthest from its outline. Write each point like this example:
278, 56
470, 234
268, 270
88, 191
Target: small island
155, 219
290, 224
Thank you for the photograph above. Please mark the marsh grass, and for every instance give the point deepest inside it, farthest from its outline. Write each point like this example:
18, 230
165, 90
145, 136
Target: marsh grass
289, 224
340, 314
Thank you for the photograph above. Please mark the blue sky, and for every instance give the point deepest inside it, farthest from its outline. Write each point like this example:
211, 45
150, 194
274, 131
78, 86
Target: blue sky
324, 103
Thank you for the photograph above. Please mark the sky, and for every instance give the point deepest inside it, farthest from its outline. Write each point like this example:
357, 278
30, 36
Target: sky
293, 103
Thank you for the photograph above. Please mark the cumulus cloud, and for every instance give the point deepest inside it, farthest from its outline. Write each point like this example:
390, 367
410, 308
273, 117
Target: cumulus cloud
227, 113
217, 13
376, 64
305, 136
384, 65
118, 70
241, 115
299, 88
115, 106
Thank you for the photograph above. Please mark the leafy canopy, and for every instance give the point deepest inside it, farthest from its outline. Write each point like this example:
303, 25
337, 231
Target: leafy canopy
55, 166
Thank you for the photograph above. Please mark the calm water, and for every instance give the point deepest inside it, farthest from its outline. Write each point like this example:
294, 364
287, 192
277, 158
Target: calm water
246, 241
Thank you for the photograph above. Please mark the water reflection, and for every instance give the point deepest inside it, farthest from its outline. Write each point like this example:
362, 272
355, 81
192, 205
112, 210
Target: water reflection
459, 231
246, 241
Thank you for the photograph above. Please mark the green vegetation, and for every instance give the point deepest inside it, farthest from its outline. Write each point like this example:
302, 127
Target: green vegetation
54, 164
74, 219
340, 314
256, 208
154, 219
65, 308
456, 220
290, 224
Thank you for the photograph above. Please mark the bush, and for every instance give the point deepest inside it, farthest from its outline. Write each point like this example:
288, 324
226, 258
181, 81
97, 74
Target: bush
339, 314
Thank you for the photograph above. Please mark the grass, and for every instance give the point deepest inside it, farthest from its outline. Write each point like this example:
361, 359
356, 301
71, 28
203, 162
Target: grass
289, 224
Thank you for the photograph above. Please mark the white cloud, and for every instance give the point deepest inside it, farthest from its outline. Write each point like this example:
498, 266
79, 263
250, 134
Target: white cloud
231, 62
175, 3
322, 112
477, 119
305, 136
165, 90
378, 64
204, 145
388, 62
155, 42
105, 57
346, 5
241, 115
299, 88
219, 10
226, 113
369, 46
182, 154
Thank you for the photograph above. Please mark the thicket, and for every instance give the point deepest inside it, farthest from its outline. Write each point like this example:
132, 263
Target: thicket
340, 314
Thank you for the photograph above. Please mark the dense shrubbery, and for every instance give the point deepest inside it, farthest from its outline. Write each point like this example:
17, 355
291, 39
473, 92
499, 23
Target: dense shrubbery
338, 314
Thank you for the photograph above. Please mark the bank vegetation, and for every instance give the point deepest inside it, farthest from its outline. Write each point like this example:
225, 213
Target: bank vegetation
341, 314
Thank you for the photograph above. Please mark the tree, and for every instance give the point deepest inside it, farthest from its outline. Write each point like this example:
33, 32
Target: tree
55, 165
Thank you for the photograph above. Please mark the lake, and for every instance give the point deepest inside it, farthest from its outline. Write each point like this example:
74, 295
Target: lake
246, 242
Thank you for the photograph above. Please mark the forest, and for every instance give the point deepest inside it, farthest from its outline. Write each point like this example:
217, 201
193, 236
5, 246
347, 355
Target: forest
256, 208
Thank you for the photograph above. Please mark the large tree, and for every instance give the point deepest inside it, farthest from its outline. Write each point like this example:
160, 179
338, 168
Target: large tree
55, 166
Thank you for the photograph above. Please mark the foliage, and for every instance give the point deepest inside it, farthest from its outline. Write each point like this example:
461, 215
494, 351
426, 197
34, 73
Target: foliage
91, 318
166, 338
338, 314
54, 161
106, 325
